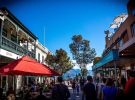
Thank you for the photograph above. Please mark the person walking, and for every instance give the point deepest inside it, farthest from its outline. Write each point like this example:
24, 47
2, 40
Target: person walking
123, 81
82, 83
77, 88
10, 94
100, 88
60, 91
130, 87
109, 91
74, 86
89, 89
41, 96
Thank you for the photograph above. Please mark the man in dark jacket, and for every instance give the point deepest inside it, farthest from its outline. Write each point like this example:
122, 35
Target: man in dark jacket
60, 91
41, 96
89, 89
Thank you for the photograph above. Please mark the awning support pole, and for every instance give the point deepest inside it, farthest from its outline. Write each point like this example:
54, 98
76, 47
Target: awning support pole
1, 81
115, 71
6, 82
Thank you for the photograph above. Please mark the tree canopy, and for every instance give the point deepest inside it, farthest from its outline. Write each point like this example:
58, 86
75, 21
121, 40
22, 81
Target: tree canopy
81, 51
60, 61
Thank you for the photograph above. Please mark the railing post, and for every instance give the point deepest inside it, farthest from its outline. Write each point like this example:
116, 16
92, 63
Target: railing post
1, 29
27, 47
17, 35
6, 82
35, 49
115, 71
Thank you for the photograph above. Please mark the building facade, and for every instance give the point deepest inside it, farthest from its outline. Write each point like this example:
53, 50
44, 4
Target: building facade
41, 54
15, 41
119, 54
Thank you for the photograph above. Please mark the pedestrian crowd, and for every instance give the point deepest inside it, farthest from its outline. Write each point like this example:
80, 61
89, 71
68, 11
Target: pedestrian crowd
106, 89
48, 91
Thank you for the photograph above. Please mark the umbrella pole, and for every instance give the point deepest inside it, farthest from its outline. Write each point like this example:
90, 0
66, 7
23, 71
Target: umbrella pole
27, 80
1, 78
6, 82
13, 83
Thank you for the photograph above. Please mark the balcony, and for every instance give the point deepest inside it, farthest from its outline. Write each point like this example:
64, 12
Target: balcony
11, 46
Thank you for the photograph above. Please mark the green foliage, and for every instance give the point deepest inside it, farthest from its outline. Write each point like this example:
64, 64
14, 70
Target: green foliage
60, 61
81, 51
50, 59
84, 72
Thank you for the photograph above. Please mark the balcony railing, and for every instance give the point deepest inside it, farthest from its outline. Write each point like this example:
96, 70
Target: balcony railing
16, 48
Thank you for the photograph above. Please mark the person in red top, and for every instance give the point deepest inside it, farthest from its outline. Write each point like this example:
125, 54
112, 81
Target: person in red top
130, 87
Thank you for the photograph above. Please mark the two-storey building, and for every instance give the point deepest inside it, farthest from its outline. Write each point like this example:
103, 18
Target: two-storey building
119, 54
15, 41
41, 54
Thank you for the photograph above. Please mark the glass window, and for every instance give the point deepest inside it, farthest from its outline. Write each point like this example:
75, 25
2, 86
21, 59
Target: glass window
13, 38
31, 44
125, 37
120, 43
4, 33
39, 57
42, 59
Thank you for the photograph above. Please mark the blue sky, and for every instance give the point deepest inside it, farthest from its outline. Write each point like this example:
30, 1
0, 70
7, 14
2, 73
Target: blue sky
64, 18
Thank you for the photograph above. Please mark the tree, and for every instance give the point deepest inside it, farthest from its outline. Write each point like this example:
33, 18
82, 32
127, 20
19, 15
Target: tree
81, 51
60, 61
50, 59
96, 59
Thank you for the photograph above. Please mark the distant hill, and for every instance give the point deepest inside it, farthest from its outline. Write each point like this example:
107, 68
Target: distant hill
90, 72
73, 72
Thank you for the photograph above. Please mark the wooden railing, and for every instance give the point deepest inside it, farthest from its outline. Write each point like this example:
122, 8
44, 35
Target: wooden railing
16, 48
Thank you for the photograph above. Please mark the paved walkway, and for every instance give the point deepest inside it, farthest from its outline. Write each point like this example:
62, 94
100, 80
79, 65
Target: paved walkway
74, 96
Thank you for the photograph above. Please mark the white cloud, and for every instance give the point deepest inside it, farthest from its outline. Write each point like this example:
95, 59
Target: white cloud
89, 66
76, 66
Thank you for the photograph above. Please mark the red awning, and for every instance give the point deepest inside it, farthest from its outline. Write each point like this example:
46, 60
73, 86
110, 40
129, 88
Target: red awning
54, 73
28, 67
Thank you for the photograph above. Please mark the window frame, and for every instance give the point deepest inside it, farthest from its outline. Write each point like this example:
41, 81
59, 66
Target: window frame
39, 57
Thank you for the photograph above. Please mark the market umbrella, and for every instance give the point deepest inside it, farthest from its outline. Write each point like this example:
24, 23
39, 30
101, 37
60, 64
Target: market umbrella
54, 73
26, 66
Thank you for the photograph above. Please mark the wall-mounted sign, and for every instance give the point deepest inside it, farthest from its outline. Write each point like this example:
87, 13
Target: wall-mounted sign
9, 54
